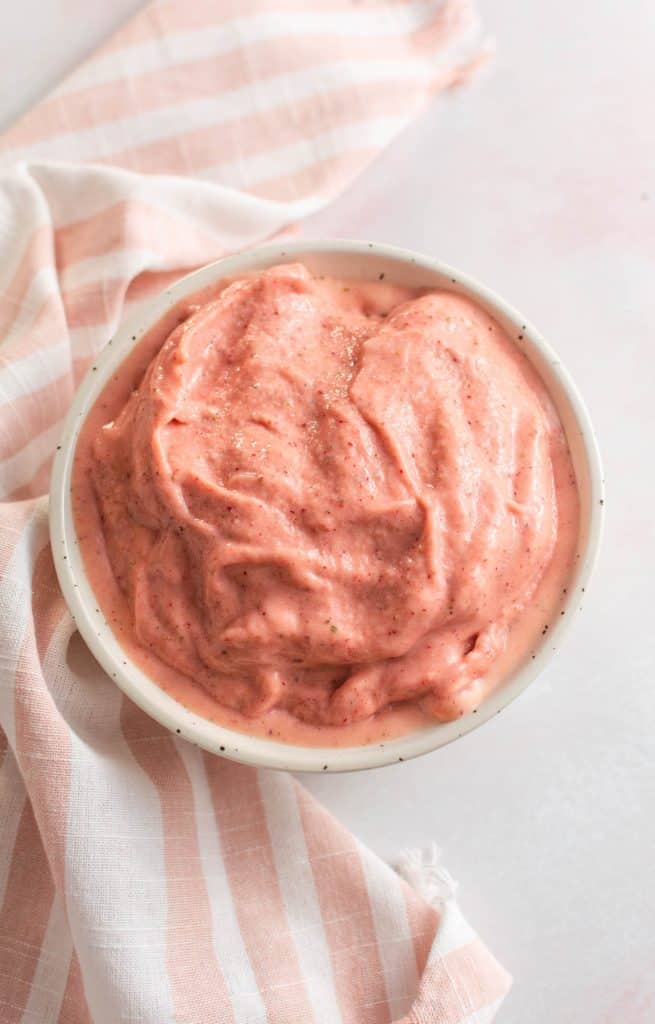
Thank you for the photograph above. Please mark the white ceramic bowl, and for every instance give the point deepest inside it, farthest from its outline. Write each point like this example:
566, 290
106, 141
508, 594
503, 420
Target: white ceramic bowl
340, 259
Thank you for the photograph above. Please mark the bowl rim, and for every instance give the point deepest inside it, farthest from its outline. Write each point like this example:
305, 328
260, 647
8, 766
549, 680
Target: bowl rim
260, 751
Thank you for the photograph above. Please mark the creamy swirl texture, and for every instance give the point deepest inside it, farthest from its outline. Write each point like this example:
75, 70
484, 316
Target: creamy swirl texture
323, 501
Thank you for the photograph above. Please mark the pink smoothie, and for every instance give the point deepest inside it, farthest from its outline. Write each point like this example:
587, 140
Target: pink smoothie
326, 511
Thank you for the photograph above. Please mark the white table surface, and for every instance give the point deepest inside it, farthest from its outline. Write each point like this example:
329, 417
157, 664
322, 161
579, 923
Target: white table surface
540, 180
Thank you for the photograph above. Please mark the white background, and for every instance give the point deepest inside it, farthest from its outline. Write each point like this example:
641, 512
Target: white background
540, 180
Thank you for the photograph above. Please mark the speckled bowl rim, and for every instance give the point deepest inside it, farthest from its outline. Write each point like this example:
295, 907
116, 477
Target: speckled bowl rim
348, 259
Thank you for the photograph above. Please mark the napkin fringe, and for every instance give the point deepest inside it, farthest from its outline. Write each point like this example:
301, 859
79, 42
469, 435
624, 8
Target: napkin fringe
423, 870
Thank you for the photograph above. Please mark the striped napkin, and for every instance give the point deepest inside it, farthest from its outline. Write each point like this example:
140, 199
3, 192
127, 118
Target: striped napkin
140, 879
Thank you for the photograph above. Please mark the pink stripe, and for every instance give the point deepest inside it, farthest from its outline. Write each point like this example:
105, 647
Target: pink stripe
100, 302
74, 1008
123, 225
40, 729
211, 76
170, 16
192, 151
41, 737
15, 517
197, 982
94, 303
30, 414
23, 918
35, 412
89, 305
152, 282
131, 223
250, 867
144, 226
349, 927
48, 605
48, 325
423, 923
458, 985
39, 483
37, 486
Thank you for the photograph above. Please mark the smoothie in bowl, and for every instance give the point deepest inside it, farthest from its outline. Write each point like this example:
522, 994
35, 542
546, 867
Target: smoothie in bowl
325, 511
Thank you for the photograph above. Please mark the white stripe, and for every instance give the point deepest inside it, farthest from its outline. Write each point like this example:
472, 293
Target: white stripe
453, 932
291, 159
298, 891
395, 944
49, 982
87, 341
15, 613
162, 53
33, 372
19, 468
23, 212
44, 366
42, 286
268, 94
77, 191
246, 1001
116, 894
123, 263
12, 802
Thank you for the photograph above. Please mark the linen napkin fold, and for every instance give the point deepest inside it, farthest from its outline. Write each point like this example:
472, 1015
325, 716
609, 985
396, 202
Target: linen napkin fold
141, 879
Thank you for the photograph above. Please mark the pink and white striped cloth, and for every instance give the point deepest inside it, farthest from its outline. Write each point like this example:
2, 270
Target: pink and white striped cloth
141, 880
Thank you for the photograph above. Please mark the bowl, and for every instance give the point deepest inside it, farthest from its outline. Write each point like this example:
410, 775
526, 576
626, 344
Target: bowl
349, 259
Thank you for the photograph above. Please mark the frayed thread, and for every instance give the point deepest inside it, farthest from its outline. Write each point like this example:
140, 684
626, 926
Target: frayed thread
423, 870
